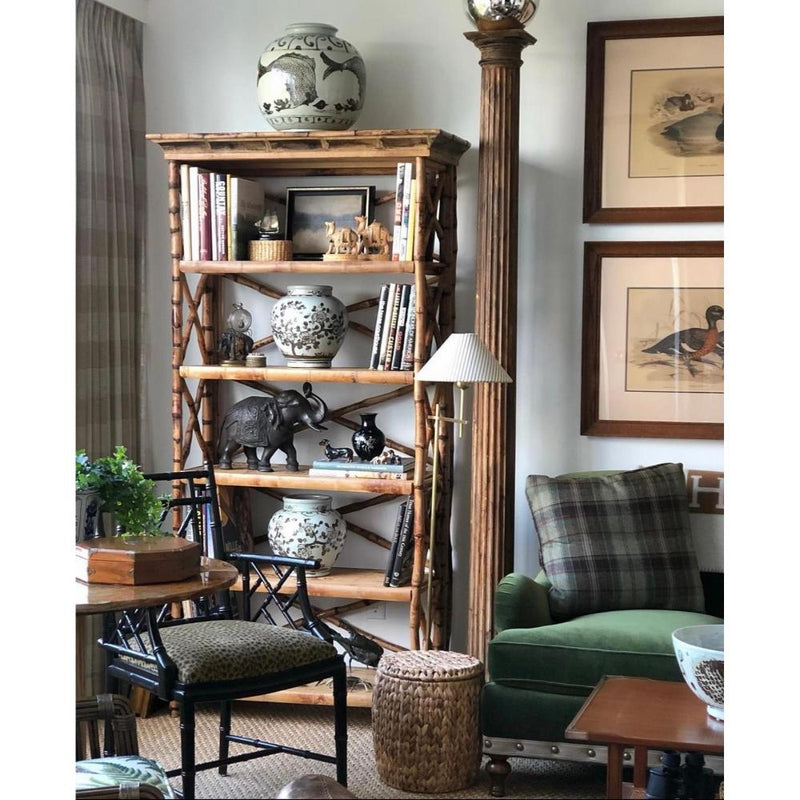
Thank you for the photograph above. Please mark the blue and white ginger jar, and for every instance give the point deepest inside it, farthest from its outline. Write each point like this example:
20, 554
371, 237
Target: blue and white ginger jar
310, 79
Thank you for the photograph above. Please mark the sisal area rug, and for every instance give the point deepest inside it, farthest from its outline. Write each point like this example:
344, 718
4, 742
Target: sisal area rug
311, 728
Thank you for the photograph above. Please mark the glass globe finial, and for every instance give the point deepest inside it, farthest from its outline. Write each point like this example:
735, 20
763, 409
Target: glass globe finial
498, 14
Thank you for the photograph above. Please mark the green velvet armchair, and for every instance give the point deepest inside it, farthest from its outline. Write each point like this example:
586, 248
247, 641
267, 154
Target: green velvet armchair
542, 669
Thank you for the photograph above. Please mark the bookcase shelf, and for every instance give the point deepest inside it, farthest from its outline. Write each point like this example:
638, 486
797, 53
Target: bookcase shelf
311, 267
298, 374
366, 584
239, 475
197, 321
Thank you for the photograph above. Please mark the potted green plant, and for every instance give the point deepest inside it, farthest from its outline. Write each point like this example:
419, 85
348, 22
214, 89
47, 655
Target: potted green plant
123, 491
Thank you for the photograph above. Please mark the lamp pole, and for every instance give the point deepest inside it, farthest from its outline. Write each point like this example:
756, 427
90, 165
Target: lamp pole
493, 442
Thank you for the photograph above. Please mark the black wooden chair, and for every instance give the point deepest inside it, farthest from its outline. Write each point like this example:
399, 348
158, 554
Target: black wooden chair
221, 653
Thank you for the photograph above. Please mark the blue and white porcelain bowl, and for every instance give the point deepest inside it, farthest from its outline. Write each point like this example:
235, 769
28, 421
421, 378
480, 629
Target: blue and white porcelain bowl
700, 650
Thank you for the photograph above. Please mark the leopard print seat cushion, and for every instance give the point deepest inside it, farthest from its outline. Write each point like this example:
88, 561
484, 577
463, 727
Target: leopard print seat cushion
224, 650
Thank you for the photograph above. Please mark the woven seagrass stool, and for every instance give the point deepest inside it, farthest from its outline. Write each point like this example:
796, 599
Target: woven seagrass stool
425, 720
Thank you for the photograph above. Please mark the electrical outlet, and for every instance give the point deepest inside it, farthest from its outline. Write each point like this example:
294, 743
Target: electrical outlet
376, 611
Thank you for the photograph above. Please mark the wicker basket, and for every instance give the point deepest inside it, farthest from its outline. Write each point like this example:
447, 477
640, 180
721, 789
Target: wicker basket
271, 250
425, 720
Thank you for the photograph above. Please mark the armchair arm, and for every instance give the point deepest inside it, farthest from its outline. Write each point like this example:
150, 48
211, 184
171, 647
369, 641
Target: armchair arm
521, 602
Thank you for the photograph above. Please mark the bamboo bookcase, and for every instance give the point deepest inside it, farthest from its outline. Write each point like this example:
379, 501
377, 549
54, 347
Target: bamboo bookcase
196, 320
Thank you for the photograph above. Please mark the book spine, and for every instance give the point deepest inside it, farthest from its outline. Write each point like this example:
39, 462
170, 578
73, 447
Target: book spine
385, 325
229, 203
315, 472
398, 211
406, 210
412, 222
221, 204
379, 318
402, 559
212, 211
194, 210
387, 361
186, 220
398, 525
397, 355
204, 214
411, 329
365, 466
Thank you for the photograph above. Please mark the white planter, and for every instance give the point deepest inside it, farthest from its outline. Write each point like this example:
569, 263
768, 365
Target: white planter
307, 527
700, 650
310, 79
309, 325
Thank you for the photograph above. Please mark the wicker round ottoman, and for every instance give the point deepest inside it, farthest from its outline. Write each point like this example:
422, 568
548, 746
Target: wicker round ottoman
425, 720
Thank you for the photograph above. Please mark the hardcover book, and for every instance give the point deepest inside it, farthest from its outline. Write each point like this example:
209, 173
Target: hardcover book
398, 526
412, 223
395, 311
385, 325
401, 571
411, 328
186, 220
397, 355
405, 466
246, 209
379, 318
204, 214
398, 211
221, 215
407, 182
355, 472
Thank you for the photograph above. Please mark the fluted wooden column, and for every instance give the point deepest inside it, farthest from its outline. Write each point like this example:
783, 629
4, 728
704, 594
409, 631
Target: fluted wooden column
493, 438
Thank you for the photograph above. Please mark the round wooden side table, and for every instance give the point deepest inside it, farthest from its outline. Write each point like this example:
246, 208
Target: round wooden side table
425, 720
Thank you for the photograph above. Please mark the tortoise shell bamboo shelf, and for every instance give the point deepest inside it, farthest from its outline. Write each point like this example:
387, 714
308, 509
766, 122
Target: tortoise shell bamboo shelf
291, 374
366, 584
359, 267
239, 475
197, 298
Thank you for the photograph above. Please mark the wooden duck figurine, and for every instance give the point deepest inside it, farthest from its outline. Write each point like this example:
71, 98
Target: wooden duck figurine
691, 344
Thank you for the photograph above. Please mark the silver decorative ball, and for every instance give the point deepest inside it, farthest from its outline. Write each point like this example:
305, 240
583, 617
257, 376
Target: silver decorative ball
496, 12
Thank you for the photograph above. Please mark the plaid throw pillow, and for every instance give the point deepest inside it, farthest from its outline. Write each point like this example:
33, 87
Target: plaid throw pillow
615, 541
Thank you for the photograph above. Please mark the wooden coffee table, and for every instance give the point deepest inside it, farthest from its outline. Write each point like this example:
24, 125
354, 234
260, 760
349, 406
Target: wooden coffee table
644, 714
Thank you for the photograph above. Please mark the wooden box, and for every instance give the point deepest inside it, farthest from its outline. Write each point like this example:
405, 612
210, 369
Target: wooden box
135, 561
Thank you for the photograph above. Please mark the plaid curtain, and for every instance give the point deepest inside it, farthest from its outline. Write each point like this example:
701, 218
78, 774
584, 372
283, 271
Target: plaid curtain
109, 249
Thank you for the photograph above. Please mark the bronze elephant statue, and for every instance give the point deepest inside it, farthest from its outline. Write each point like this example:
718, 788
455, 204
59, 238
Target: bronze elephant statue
269, 422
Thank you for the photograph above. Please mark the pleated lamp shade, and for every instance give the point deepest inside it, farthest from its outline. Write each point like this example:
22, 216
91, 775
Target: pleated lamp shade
463, 358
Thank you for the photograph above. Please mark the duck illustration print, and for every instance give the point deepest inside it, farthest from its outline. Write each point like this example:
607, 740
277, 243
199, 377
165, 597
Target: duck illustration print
675, 340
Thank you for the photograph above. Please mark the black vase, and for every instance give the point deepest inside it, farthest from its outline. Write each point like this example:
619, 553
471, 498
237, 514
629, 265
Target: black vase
368, 440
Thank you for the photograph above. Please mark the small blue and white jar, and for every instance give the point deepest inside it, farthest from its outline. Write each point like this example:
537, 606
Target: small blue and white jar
307, 527
310, 79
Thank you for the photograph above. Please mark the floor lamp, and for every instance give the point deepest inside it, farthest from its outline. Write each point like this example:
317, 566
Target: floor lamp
463, 359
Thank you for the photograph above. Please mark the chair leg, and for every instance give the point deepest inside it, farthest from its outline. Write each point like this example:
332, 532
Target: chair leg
187, 750
340, 723
498, 770
224, 730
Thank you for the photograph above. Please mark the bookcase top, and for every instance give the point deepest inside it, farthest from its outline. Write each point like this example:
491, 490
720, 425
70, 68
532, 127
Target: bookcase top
300, 150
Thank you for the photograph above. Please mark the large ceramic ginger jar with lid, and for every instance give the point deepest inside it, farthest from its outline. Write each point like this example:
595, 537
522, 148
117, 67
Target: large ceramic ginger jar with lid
311, 79
307, 527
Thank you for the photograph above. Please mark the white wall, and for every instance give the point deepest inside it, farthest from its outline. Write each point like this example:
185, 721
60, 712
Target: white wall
200, 68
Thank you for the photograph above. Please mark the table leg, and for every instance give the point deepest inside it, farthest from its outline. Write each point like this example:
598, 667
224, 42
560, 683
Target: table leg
640, 767
614, 771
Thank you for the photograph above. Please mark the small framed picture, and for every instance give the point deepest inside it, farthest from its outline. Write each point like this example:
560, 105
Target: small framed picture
653, 340
307, 211
654, 143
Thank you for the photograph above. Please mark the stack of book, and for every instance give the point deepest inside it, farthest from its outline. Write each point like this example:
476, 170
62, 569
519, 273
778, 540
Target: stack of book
405, 213
219, 213
362, 469
401, 554
395, 328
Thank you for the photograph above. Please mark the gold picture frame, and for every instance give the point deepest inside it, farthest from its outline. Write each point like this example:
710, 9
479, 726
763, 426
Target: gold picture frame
654, 142
653, 340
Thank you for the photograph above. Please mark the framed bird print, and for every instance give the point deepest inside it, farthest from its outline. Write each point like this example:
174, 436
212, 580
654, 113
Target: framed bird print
654, 141
653, 362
